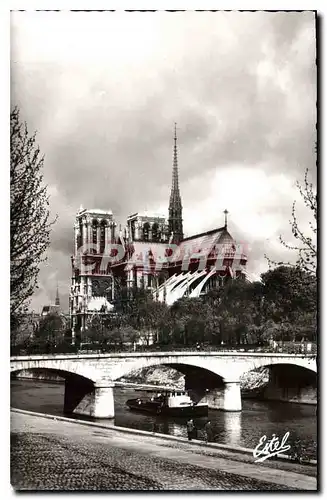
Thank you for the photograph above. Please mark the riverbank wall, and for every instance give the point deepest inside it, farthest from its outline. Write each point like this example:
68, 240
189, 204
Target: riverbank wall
247, 452
82, 455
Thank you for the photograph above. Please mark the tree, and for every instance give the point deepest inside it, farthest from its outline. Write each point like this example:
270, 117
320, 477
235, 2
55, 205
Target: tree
97, 328
29, 217
146, 315
25, 331
191, 321
290, 299
51, 330
238, 311
288, 291
130, 336
306, 245
291, 296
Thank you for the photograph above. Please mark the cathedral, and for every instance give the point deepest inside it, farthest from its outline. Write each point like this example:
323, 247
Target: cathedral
149, 252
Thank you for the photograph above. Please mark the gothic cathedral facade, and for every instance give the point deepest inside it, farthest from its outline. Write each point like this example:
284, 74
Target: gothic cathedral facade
149, 252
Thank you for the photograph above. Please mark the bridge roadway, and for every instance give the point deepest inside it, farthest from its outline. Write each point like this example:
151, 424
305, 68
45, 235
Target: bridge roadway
90, 378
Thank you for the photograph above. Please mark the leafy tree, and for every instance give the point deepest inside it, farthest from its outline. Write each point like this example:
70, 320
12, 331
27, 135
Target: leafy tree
29, 217
98, 328
290, 298
288, 291
92, 335
238, 311
130, 335
192, 321
145, 314
116, 337
25, 330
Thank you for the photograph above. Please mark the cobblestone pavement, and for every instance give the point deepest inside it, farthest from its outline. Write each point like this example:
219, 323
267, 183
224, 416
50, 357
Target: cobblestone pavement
64, 456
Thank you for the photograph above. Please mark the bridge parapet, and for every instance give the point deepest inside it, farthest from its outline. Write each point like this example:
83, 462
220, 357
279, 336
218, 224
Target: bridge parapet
163, 353
114, 366
97, 372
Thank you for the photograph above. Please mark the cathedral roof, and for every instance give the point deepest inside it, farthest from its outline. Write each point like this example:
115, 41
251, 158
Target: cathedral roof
50, 309
211, 243
203, 243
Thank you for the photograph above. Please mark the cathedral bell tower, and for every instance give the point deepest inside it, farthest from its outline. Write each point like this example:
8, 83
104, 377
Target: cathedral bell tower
175, 219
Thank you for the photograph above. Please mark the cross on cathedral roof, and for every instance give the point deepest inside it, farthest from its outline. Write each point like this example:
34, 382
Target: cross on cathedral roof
226, 213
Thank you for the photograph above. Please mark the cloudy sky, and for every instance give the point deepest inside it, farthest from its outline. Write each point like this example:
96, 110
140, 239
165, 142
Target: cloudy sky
103, 91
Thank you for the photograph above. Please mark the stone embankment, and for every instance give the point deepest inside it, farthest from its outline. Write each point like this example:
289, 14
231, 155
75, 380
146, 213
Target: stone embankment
52, 453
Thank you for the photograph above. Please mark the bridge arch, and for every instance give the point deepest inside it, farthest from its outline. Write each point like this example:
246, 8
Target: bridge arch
63, 374
67, 367
180, 363
205, 380
102, 370
256, 363
290, 381
83, 394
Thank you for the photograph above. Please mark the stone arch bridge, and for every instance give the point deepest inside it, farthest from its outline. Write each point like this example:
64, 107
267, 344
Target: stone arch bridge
90, 378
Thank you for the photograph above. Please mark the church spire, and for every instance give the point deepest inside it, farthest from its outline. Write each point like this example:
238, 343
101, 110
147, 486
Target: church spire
175, 165
57, 302
175, 220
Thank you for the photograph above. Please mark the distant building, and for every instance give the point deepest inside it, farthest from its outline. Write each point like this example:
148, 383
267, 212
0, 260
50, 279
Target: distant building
151, 252
52, 308
56, 309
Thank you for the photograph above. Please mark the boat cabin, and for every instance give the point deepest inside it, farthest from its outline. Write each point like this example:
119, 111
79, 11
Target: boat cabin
173, 399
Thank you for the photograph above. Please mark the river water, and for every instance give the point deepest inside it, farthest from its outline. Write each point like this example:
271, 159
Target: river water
244, 428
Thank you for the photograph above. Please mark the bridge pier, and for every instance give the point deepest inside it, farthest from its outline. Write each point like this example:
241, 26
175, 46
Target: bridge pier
77, 390
103, 400
219, 393
82, 397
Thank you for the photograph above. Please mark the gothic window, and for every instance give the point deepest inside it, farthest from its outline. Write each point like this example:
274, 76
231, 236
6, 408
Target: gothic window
102, 235
79, 237
149, 280
94, 231
146, 229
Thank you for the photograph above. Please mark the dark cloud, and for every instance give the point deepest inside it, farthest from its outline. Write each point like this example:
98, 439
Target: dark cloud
103, 96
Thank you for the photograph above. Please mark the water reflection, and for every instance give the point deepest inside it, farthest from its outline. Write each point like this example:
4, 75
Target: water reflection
176, 429
232, 428
232, 425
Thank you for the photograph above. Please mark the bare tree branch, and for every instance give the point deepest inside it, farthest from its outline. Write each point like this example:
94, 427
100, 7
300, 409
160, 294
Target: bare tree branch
29, 216
305, 246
